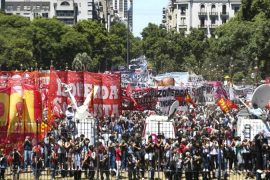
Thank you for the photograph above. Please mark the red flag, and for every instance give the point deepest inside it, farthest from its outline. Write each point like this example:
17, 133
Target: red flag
189, 99
57, 111
129, 89
52, 94
180, 99
223, 105
56, 94
231, 105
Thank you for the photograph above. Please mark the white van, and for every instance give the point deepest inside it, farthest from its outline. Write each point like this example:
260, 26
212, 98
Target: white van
155, 125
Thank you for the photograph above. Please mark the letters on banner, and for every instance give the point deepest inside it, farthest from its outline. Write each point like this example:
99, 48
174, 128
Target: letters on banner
149, 98
107, 92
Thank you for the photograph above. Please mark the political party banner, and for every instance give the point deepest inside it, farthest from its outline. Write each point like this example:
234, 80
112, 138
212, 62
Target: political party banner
167, 95
107, 94
20, 105
145, 99
139, 99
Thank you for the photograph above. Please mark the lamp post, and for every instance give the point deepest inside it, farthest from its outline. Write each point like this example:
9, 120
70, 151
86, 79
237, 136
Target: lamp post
231, 68
256, 75
256, 68
51, 66
128, 37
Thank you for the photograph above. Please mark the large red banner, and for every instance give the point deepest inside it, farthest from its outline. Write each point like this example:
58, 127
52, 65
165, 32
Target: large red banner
107, 92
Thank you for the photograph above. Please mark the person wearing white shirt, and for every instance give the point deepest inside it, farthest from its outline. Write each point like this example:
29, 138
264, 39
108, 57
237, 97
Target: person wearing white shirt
256, 112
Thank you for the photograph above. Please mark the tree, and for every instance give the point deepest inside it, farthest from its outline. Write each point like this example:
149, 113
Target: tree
164, 50
15, 48
72, 43
97, 38
46, 36
251, 8
83, 62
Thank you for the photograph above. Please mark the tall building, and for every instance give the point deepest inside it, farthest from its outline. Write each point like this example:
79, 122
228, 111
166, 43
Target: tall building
123, 10
183, 15
67, 11
2, 5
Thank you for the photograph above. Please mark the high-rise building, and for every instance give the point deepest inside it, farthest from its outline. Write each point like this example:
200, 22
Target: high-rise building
67, 11
123, 10
73, 11
183, 15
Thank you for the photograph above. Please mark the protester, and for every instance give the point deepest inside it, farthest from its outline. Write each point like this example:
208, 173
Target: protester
27, 154
3, 164
16, 163
202, 148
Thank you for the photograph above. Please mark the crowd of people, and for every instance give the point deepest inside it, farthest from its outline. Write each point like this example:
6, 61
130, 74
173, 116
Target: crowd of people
205, 146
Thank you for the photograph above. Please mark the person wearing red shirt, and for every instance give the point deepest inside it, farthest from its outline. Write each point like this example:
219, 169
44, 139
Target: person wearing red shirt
118, 153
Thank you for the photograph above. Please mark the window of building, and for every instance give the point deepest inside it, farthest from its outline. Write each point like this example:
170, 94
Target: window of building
25, 8
183, 21
90, 12
65, 3
224, 9
46, 15
202, 22
9, 8
236, 9
68, 21
38, 7
202, 8
183, 10
28, 8
213, 21
224, 21
125, 5
121, 5
115, 4
65, 13
46, 8
89, 3
18, 8
213, 8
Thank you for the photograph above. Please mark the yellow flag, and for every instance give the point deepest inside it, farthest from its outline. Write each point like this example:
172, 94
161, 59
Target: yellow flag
16, 124
4, 106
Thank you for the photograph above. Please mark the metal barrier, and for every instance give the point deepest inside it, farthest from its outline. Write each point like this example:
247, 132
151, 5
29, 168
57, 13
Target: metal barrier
105, 174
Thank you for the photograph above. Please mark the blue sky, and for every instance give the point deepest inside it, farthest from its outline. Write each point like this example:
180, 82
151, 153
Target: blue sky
145, 11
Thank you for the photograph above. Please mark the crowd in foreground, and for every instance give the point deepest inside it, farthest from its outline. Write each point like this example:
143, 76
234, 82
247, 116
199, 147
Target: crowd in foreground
205, 146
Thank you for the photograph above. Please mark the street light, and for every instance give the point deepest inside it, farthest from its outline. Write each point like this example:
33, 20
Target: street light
256, 75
